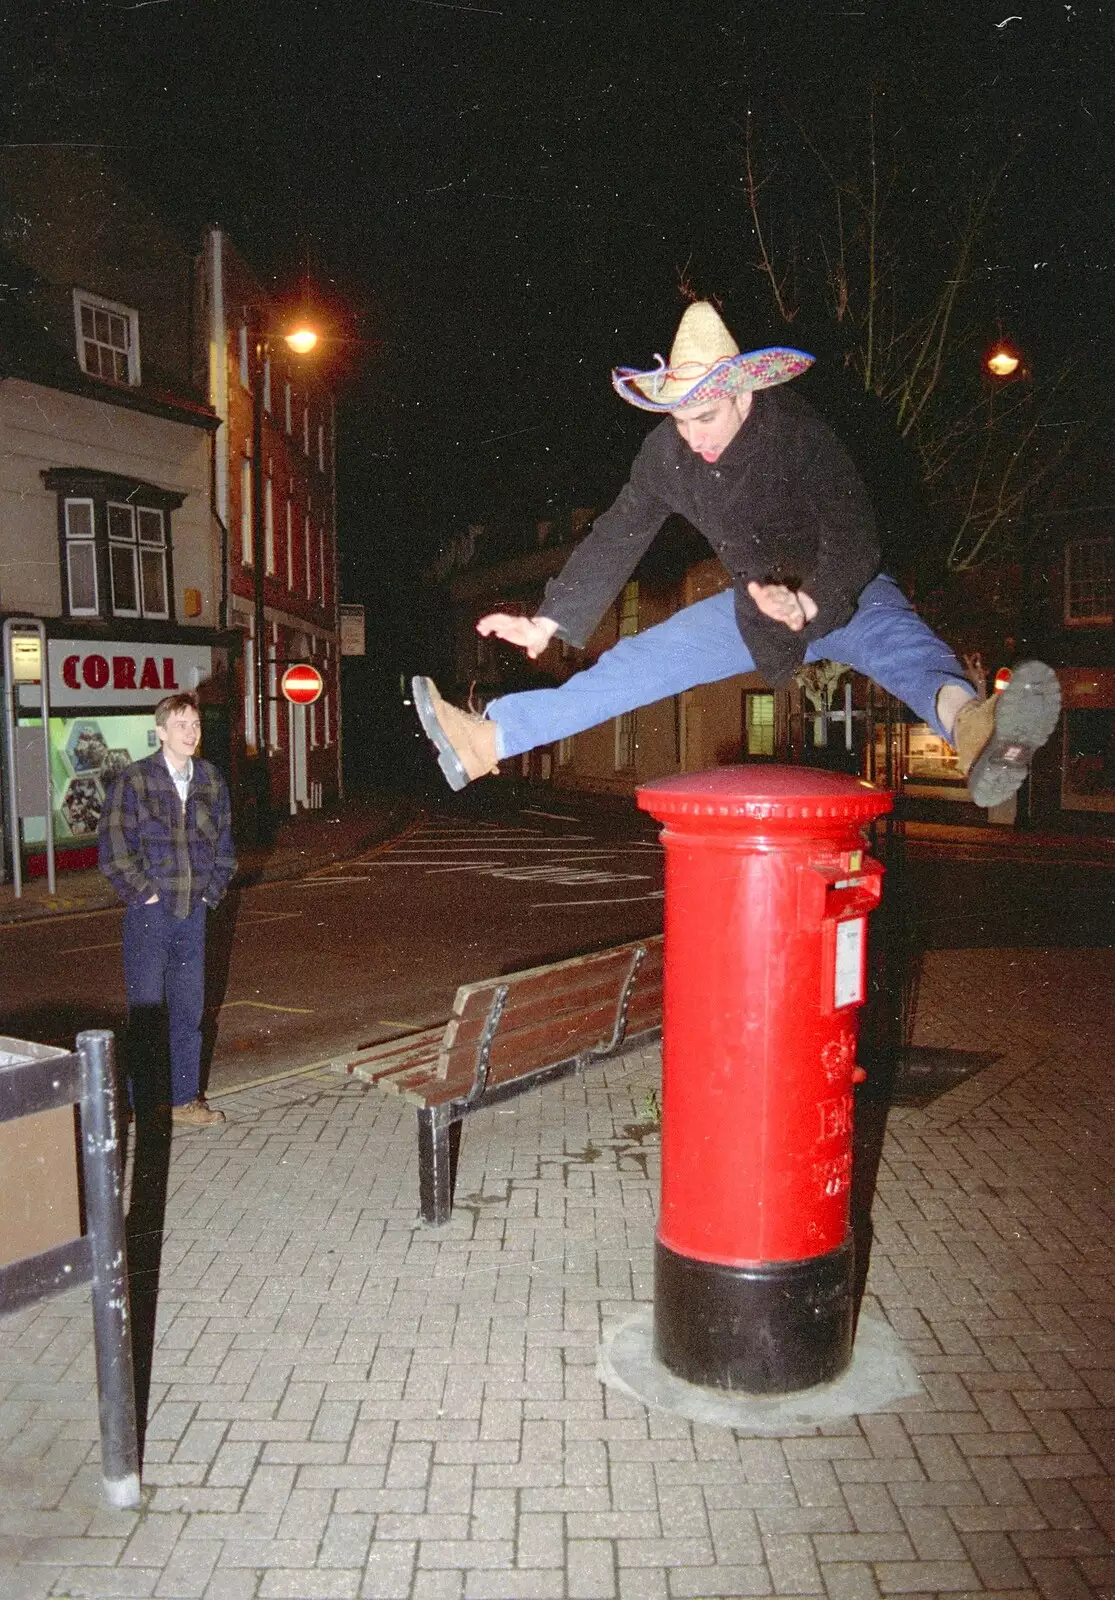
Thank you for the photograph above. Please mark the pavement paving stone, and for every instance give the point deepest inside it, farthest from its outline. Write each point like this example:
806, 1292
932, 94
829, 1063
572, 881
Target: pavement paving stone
345, 1403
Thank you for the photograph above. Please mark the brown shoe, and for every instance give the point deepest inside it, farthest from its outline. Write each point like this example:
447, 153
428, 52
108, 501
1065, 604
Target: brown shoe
996, 739
465, 743
196, 1114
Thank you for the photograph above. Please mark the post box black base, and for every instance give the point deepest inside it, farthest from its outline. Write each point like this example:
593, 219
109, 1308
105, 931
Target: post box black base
773, 1328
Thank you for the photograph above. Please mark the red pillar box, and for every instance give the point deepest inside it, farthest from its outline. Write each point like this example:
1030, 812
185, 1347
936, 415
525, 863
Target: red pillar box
768, 889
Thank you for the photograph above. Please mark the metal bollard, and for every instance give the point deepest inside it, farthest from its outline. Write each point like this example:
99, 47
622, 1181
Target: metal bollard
112, 1331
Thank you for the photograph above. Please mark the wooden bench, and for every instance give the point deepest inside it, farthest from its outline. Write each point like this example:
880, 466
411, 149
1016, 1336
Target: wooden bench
510, 1034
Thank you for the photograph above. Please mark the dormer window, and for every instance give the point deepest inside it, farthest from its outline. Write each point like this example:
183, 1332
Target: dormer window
107, 338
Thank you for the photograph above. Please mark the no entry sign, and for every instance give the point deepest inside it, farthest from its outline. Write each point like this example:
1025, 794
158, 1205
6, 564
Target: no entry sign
302, 684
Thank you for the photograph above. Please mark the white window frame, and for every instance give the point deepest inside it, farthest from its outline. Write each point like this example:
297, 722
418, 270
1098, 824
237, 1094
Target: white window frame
247, 550
245, 366
146, 544
250, 683
139, 544
290, 544
81, 541
116, 543
273, 688
1099, 615
288, 407
321, 447
269, 524
125, 315
321, 561
627, 623
309, 532
326, 698
626, 743
306, 428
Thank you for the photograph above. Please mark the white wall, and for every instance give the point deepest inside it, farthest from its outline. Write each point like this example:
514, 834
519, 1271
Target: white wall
42, 428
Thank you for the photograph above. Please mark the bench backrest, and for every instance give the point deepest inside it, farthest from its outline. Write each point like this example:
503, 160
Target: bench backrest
553, 1012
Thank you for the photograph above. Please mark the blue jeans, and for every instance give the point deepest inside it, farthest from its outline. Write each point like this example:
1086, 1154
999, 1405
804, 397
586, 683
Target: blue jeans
885, 640
164, 974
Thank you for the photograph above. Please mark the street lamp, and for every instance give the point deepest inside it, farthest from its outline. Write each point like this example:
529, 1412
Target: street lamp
1005, 360
301, 340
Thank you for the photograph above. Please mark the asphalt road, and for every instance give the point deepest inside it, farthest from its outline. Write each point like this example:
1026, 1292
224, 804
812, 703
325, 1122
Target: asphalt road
306, 970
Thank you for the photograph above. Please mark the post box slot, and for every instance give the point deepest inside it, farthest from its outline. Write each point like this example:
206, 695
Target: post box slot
829, 893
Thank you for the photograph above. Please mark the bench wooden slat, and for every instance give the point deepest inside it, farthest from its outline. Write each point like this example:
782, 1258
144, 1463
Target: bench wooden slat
594, 992
393, 1055
560, 976
519, 1053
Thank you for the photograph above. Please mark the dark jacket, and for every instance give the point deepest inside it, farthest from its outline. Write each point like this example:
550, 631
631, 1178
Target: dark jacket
783, 504
149, 844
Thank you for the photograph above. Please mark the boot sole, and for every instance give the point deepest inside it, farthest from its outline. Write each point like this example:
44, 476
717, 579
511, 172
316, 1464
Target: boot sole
447, 758
1025, 716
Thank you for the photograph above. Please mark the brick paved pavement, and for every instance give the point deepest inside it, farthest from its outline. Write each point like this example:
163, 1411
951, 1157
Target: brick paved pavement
346, 1405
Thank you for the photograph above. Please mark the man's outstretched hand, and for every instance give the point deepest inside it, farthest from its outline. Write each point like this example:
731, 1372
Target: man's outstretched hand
531, 634
793, 607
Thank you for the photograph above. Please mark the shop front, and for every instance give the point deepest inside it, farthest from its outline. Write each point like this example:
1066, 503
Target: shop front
100, 699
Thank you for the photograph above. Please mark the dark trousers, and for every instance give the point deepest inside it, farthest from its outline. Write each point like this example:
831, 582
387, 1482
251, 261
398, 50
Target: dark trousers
164, 974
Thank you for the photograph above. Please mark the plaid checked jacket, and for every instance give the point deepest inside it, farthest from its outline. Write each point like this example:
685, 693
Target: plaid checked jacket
148, 843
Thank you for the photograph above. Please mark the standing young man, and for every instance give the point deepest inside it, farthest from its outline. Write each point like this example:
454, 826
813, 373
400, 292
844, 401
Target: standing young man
165, 845
758, 472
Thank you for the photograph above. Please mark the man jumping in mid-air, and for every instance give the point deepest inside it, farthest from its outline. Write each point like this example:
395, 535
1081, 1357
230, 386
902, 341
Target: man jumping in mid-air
756, 470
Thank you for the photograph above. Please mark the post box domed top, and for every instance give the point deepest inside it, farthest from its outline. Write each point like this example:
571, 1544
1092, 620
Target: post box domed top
765, 794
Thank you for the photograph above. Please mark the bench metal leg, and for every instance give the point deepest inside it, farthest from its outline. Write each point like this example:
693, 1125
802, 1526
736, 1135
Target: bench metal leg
439, 1140
112, 1329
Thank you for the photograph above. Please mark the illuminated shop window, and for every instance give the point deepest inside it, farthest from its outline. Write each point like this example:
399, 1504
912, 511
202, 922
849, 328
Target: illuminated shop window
758, 724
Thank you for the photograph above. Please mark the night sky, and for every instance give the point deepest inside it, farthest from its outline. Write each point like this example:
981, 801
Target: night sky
499, 201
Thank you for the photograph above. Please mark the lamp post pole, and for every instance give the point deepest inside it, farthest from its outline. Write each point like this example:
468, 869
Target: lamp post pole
259, 556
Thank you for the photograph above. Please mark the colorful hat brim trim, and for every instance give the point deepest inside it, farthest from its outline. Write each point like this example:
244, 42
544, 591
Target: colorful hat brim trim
755, 369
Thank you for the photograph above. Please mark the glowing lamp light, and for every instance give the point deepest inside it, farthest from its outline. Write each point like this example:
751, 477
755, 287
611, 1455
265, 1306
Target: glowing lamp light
301, 340
1002, 678
1003, 362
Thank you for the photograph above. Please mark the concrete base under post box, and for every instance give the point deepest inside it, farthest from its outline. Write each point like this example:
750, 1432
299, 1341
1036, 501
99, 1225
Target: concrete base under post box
880, 1374
767, 1329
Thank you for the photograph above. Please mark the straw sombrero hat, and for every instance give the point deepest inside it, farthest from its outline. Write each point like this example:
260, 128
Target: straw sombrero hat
705, 364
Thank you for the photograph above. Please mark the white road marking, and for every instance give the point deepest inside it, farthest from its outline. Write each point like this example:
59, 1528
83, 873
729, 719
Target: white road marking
614, 900
267, 916
510, 854
265, 1005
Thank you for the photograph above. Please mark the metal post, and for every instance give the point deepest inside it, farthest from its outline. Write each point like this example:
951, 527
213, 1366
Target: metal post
12, 626
10, 702
102, 1167
258, 551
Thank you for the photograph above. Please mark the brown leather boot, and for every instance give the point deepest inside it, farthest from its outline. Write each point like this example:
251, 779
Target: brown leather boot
465, 743
996, 739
